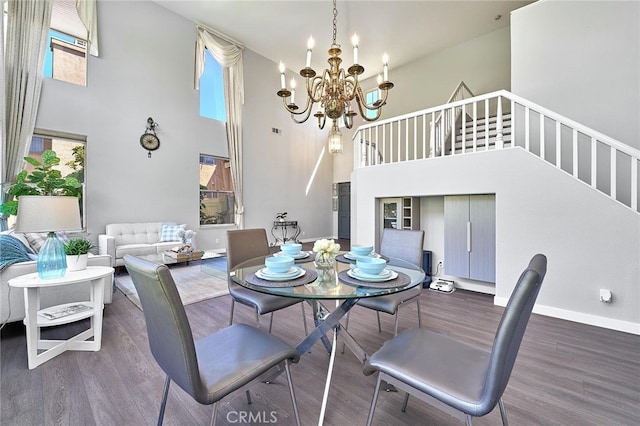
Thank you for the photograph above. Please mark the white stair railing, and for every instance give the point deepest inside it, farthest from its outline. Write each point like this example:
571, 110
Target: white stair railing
500, 120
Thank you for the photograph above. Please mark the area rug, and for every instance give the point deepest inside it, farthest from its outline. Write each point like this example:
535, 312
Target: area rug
193, 285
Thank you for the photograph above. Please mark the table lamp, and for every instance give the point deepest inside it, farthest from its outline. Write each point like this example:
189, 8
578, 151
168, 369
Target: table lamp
43, 213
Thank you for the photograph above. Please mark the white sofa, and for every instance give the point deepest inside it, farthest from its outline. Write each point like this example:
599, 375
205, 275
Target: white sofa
12, 299
140, 239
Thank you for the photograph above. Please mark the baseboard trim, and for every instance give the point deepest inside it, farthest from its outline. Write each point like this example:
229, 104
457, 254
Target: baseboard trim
597, 321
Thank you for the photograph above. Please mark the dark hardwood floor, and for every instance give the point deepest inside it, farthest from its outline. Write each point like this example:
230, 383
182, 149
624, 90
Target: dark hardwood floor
566, 373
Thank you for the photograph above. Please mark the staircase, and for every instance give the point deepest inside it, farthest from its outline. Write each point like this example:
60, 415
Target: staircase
502, 120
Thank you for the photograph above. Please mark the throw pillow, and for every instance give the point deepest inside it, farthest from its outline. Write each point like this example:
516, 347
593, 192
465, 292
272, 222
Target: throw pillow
36, 240
171, 233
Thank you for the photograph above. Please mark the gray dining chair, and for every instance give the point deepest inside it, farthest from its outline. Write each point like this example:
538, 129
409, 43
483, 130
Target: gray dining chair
210, 368
453, 375
242, 245
401, 244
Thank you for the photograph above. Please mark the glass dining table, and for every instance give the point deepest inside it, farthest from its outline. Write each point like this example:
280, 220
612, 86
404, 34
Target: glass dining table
318, 286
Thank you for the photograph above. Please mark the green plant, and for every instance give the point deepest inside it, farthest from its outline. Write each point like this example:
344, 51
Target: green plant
281, 216
77, 246
43, 180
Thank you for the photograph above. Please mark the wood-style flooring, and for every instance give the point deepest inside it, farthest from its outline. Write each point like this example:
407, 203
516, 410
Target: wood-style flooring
566, 373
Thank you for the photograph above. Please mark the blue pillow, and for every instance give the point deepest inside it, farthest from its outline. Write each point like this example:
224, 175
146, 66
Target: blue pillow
171, 233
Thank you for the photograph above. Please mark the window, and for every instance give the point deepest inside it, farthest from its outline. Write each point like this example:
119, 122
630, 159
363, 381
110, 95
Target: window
371, 96
70, 150
66, 58
217, 199
212, 90
66, 54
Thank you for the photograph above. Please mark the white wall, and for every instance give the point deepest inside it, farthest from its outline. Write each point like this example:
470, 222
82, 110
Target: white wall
582, 60
591, 241
145, 69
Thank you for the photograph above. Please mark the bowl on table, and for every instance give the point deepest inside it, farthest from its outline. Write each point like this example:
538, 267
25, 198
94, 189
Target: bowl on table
291, 249
361, 250
279, 264
371, 265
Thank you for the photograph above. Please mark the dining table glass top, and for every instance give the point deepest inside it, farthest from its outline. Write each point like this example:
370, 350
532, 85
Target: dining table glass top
328, 284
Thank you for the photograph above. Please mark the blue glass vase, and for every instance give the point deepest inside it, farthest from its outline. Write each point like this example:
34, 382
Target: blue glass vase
52, 260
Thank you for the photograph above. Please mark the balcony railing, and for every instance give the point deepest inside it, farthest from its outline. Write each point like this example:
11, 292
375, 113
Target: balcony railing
501, 120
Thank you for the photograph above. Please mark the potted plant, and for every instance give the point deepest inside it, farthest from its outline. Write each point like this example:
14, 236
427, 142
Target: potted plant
77, 251
281, 216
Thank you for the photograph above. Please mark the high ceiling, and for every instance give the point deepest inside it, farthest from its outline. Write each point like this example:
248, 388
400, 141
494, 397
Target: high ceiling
405, 30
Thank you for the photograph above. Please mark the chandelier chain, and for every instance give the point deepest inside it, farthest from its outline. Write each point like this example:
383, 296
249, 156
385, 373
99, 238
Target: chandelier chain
335, 22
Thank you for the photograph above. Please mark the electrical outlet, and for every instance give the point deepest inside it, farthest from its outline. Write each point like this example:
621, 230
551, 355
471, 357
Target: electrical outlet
605, 296
217, 240
441, 263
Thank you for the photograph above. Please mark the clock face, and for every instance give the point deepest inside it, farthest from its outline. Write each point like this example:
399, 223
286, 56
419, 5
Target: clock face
149, 141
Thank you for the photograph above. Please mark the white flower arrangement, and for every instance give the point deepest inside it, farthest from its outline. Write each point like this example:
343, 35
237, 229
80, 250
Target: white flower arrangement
326, 248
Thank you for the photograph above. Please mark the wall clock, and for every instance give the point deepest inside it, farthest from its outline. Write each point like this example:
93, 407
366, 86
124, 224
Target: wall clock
149, 140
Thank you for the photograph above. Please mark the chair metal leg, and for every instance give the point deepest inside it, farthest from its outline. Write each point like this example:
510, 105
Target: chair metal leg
163, 404
270, 322
419, 316
467, 420
233, 305
405, 402
292, 392
304, 320
379, 326
257, 319
503, 412
374, 400
395, 331
214, 413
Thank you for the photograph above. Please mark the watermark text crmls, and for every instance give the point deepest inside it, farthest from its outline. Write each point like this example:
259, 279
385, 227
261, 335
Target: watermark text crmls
252, 418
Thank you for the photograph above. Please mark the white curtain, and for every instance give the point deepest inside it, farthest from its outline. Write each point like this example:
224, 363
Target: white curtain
88, 13
27, 28
230, 57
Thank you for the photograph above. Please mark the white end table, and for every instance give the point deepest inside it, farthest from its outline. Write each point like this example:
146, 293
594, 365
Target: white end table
35, 318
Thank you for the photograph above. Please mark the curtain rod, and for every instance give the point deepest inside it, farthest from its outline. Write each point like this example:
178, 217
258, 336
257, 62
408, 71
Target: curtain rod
220, 35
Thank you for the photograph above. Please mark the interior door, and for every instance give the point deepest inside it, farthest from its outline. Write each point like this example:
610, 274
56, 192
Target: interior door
344, 210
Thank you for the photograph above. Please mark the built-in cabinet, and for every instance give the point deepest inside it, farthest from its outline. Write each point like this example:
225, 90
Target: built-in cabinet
470, 237
411, 213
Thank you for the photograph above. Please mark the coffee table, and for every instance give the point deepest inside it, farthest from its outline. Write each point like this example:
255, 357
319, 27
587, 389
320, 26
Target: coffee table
169, 260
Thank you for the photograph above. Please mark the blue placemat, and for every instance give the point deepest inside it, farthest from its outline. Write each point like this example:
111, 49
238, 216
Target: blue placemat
309, 277
401, 280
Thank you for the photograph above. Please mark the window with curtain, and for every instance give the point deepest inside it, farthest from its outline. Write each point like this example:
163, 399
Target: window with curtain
212, 90
217, 198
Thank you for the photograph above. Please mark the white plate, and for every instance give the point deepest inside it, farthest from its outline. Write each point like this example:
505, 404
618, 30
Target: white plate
353, 256
278, 277
300, 255
292, 271
355, 273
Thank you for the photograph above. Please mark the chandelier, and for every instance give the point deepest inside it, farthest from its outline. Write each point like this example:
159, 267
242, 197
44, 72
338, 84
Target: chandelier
334, 90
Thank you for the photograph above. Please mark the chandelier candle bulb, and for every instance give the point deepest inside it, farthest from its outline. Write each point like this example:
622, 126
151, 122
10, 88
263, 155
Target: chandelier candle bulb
309, 48
283, 84
354, 40
379, 80
385, 67
293, 91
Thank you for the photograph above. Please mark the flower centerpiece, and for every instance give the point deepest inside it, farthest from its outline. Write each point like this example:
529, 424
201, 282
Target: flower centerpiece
326, 251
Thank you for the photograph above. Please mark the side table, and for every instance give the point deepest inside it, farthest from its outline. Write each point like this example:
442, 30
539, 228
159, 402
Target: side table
282, 227
35, 318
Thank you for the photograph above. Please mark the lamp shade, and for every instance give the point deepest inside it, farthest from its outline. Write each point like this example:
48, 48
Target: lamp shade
44, 213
